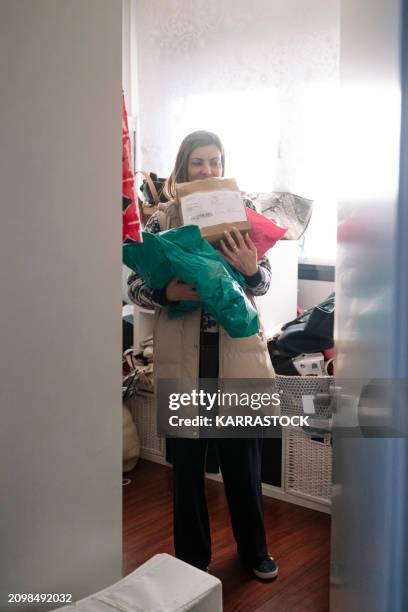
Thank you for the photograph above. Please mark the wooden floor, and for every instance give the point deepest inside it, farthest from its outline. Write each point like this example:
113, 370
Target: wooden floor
298, 538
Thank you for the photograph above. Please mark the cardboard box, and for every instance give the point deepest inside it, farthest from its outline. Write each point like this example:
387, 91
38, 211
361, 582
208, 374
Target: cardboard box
214, 204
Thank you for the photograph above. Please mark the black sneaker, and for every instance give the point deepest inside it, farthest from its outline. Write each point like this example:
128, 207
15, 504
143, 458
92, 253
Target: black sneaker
266, 569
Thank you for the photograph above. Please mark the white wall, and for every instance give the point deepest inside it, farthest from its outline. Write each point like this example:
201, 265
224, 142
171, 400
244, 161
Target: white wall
60, 320
312, 292
264, 75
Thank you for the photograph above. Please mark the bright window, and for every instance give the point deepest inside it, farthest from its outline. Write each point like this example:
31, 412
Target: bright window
269, 148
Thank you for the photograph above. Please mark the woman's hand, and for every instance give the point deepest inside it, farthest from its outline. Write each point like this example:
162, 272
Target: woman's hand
176, 290
240, 252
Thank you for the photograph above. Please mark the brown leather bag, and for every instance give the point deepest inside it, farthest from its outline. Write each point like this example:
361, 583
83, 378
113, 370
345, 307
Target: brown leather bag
146, 208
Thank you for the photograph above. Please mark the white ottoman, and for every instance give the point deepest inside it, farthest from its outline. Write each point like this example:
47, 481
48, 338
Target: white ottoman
162, 584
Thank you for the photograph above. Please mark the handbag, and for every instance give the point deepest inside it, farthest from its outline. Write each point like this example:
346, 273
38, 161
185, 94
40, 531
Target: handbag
288, 209
152, 188
311, 332
130, 441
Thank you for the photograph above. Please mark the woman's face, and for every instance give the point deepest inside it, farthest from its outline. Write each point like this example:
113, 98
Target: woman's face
204, 162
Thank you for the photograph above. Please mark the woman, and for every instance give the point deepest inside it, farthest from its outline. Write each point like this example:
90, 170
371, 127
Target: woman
195, 346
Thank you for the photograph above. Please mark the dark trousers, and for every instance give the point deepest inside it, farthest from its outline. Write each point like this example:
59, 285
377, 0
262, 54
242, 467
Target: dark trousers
240, 463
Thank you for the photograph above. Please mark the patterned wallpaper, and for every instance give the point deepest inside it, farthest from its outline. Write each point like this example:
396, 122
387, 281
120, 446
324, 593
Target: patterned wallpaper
195, 56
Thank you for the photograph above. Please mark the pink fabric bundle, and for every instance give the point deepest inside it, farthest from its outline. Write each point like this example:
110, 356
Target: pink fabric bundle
264, 232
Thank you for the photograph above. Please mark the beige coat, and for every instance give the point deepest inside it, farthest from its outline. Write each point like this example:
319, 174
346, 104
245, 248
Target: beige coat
176, 341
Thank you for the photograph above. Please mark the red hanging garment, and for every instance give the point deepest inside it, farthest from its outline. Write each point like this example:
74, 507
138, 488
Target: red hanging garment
131, 219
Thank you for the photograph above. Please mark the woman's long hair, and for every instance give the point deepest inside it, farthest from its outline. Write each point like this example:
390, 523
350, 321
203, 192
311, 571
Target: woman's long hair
179, 174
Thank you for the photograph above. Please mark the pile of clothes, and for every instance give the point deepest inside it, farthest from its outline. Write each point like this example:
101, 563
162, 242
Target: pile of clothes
138, 364
305, 346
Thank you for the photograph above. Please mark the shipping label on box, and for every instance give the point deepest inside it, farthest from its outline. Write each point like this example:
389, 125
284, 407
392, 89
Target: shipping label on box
214, 204
213, 208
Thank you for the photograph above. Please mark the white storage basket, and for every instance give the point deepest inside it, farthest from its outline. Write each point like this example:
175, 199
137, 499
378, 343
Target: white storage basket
144, 412
307, 460
308, 465
292, 389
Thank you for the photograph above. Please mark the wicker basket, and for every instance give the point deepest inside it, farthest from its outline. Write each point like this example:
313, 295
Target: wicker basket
307, 460
142, 407
294, 388
308, 465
